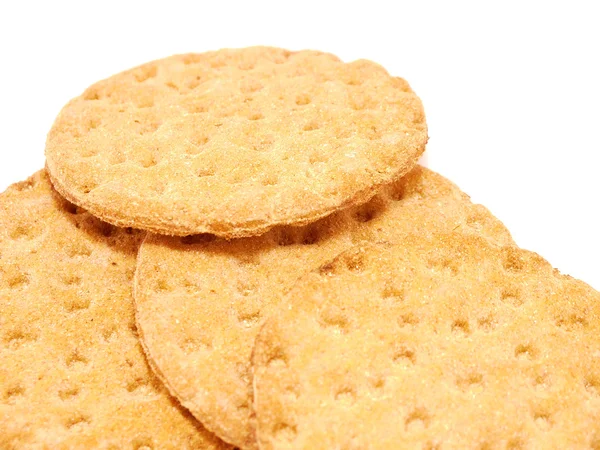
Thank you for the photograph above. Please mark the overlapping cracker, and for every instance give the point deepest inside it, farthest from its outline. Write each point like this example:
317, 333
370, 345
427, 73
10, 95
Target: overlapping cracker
445, 342
72, 372
201, 301
234, 142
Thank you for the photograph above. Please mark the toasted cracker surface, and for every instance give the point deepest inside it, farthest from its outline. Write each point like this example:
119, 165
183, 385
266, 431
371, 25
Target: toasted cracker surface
234, 142
445, 342
201, 300
72, 372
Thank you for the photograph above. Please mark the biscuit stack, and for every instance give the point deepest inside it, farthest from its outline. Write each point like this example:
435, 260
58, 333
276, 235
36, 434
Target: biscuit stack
238, 249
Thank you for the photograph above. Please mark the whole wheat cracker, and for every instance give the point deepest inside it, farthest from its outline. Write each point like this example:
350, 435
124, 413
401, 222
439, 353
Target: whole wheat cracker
201, 301
234, 142
445, 342
72, 372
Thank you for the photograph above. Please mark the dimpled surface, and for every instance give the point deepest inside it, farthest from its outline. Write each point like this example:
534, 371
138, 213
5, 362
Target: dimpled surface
234, 142
72, 372
201, 301
445, 342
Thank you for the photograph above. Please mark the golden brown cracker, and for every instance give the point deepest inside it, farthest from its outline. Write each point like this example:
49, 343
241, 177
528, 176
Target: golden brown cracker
446, 342
72, 372
201, 300
234, 142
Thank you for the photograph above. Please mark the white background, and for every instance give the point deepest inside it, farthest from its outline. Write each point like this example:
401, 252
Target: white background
511, 89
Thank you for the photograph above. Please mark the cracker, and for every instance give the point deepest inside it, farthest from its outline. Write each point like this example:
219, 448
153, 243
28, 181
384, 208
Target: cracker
445, 342
234, 142
201, 301
72, 372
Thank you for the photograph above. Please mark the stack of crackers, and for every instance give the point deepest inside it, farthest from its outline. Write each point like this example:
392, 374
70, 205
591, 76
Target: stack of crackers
239, 249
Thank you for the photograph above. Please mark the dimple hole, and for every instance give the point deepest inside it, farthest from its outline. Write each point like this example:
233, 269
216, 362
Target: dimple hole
193, 83
93, 124
76, 249
329, 269
144, 443
136, 384
470, 380
109, 333
392, 291
334, 320
284, 432
263, 144
246, 65
91, 94
486, 323
311, 126
525, 351
377, 383
12, 393
543, 421
345, 394
592, 385
68, 393
512, 296
461, 327
249, 320
417, 420
256, 116
146, 73
22, 232
70, 279
512, 261
16, 339
195, 344
572, 322
76, 304
403, 355
354, 262
206, 172
406, 320
77, 422
277, 358
76, 360
443, 264
270, 179
17, 281
303, 99
515, 443
250, 86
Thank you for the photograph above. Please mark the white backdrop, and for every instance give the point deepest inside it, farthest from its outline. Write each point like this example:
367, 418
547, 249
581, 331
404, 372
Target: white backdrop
511, 91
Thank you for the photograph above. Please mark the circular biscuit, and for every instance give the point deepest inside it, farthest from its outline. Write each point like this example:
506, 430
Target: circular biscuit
72, 372
234, 142
445, 342
201, 300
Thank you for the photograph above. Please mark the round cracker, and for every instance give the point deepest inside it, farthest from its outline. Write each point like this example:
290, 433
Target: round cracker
72, 372
201, 301
446, 342
234, 142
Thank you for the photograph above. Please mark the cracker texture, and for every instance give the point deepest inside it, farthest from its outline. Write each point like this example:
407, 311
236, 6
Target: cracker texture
72, 372
234, 142
445, 342
201, 300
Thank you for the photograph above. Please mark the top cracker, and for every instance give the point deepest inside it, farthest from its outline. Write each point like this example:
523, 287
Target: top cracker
234, 142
